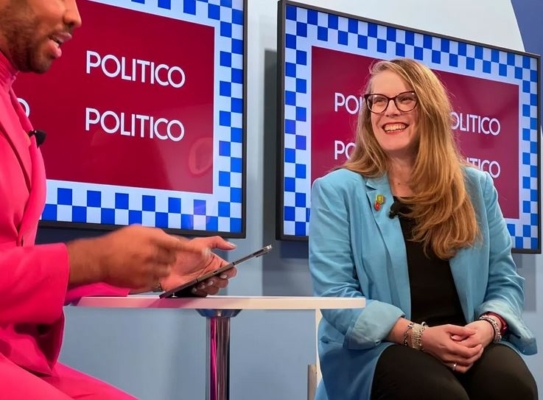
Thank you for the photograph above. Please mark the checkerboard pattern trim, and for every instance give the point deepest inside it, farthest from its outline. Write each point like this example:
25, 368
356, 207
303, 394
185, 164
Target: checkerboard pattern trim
219, 212
305, 27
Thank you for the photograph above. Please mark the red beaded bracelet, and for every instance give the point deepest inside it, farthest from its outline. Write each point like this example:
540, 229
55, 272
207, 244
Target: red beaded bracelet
502, 321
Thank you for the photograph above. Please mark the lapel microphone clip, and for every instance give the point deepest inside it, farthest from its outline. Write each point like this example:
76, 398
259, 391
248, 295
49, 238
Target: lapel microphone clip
40, 136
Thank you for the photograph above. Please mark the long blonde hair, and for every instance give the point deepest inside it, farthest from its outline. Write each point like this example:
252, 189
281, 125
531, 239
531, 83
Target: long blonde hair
440, 205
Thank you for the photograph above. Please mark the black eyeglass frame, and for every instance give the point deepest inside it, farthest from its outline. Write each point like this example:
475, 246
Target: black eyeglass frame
389, 99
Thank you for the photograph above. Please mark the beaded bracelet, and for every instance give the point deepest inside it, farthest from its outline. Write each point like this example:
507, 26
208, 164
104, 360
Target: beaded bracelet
416, 335
416, 340
492, 321
501, 320
406, 333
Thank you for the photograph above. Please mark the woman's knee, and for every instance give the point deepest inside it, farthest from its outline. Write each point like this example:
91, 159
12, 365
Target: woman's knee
442, 389
422, 387
403, 374
502, 374
508, 384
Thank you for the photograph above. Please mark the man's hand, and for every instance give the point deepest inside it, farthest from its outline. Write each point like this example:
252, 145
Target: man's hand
133, 257
193, 264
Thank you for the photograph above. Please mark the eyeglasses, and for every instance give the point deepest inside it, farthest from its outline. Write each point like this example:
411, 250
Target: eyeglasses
378, 103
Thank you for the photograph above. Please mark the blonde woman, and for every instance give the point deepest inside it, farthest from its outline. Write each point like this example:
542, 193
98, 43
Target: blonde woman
408, 225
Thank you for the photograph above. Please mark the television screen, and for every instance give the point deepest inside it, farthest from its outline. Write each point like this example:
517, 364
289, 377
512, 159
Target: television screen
145, 118
324, 64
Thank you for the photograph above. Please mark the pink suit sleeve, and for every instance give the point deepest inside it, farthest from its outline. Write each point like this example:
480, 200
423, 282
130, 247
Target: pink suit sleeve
34, 284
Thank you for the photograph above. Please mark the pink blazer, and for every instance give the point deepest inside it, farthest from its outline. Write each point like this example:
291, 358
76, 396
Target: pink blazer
33, 278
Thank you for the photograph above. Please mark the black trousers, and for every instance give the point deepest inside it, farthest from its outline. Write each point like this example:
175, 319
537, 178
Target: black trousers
405, 374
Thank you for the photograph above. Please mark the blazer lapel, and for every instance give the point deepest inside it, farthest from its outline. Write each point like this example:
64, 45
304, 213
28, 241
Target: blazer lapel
15, 130
30, 158
392, 236
36, 200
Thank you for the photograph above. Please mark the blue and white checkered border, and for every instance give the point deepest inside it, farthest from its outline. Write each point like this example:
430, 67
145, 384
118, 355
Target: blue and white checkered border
306, 28
118, 205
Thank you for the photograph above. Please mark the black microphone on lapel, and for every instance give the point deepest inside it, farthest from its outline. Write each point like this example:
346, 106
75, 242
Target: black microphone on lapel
394, 209
40, 136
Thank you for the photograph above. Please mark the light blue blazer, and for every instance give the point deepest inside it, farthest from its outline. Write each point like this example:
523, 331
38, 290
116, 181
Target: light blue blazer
356, 250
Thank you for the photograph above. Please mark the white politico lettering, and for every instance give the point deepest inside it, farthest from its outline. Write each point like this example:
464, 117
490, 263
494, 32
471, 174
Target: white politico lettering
351, 103
471, 123
341, 148
135, 70
134, 125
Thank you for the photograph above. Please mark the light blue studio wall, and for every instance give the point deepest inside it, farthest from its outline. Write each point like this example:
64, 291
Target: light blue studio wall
159, 354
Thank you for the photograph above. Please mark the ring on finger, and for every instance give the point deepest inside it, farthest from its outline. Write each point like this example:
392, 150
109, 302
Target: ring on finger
454, 367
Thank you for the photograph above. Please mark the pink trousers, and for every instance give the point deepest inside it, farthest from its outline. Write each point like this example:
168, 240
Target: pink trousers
65, 384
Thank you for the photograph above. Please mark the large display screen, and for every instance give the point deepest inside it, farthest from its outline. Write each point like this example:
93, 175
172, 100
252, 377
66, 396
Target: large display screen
145, 117
324, 66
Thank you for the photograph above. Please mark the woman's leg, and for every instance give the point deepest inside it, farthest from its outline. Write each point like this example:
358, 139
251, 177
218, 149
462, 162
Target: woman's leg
403, 373
500, 373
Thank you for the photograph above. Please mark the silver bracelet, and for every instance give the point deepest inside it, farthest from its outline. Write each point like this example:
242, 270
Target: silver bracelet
492, 321
406, 334
416, 338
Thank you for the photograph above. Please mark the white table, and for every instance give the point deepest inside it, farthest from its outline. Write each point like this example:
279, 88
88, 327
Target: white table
218, 311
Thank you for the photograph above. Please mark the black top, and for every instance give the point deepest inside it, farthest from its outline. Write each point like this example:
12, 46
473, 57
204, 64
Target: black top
434, 298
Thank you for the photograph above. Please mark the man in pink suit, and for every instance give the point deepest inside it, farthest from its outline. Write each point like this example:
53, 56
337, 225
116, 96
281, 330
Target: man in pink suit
36, 281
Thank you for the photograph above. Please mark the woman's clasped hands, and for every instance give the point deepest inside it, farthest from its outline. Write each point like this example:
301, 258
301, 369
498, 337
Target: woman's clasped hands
458, 347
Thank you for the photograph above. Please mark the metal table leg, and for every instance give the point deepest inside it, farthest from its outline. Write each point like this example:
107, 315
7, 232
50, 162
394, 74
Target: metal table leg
218, 352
